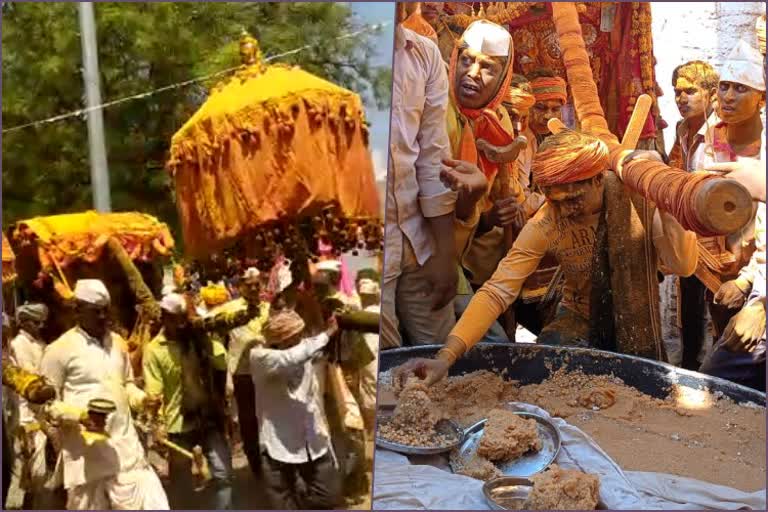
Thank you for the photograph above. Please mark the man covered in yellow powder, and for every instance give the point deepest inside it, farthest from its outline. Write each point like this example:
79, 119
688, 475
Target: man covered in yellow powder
518, 104
608, 301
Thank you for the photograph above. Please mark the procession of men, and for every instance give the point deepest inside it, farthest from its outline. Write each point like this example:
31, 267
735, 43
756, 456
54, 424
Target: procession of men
475, 163
158, 439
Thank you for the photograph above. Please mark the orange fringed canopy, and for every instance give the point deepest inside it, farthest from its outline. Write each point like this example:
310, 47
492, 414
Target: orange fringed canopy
9, 262
60, 240
267, 145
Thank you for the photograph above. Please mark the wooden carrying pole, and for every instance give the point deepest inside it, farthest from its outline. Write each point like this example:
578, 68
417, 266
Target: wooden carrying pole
721, 206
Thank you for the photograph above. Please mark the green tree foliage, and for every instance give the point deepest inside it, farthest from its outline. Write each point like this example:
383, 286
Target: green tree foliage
144, 46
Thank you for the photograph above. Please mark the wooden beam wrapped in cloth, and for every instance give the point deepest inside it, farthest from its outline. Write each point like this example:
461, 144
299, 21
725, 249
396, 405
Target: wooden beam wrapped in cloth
272, 145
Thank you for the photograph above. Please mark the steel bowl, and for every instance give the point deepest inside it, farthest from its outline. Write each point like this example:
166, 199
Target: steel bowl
507, 492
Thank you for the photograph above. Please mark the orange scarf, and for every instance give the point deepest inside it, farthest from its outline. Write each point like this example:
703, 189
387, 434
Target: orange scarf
485, 122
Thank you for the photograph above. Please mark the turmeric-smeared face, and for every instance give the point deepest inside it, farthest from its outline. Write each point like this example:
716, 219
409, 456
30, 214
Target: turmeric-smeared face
738, 102
93, 319
576, 200
519, 120
478, 78
542, 112
691, 99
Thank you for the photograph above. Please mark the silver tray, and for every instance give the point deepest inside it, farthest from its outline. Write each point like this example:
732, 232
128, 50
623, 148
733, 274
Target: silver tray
447, 427
507, 492
525, 466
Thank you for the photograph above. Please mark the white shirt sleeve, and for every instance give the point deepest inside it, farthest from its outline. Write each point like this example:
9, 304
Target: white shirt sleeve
136, 395
270, 361
20, 354
54, 368
434, 198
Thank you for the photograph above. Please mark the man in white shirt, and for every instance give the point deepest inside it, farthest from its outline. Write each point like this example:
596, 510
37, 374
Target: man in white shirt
695, 87
293, 429
420, 272
26, 352
91, 362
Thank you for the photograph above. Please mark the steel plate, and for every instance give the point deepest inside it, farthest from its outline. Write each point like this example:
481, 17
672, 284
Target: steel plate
447, 427
525, 466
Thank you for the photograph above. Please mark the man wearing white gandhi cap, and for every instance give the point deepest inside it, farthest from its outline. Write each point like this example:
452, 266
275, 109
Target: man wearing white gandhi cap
91, 362
739, 354
736, 144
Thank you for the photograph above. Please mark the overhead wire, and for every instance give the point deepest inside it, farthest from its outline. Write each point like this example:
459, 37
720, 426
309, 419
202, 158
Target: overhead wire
82, 111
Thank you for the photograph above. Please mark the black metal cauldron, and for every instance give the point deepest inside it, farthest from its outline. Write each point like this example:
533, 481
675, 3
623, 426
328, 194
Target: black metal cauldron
531, 364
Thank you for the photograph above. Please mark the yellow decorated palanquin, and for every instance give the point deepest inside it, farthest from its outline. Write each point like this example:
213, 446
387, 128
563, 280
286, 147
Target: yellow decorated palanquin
58, 241
270, 144
125, 250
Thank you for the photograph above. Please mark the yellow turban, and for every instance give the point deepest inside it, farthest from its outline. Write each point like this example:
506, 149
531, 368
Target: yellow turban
568, 157
760, 27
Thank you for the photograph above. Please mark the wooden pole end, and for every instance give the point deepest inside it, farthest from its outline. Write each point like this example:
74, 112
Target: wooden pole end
724, 206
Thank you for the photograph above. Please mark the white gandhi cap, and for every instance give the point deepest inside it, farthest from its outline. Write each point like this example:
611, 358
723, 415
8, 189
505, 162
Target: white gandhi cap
174, 303
92, 291
744, 66
487, 38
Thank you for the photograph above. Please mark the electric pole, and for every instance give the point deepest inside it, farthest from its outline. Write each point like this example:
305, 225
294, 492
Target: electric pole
96, 148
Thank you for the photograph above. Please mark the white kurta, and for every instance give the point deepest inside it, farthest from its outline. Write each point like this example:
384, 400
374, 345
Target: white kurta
26, 352
82, 368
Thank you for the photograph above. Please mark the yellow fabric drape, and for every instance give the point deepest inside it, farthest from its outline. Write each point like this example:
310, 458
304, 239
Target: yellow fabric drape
62, 239
268, 145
